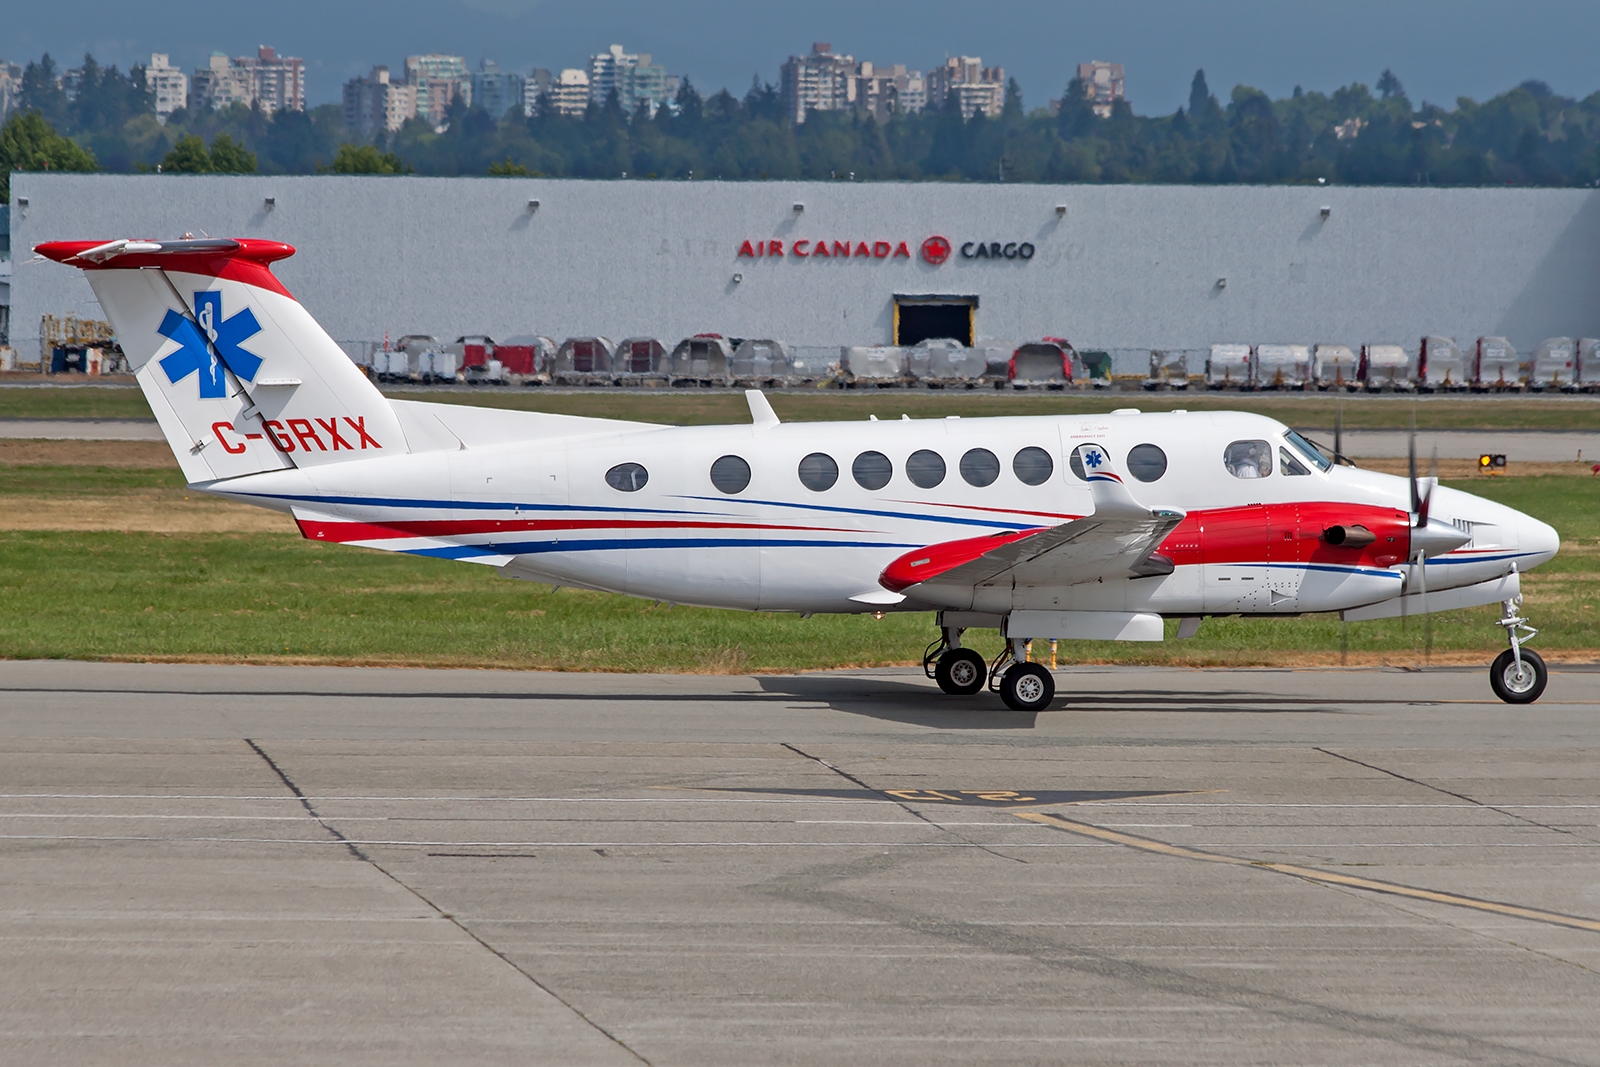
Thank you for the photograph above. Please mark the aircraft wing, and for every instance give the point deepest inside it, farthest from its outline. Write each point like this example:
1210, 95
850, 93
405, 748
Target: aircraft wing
1117, 541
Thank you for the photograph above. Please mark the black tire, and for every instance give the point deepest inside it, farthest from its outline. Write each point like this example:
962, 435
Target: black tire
961, 672
1504, 680
1027, 687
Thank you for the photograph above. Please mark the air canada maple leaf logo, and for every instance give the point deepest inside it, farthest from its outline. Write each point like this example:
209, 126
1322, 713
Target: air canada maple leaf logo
208, 344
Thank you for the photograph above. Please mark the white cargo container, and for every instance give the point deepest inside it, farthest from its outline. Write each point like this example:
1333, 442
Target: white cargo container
1386, 367
640, 360
873, 364
1228, 365
1282, 366
944, 361
761, 361
1046, 363
1168, 367
1497, 366
1335, 367
1554, 365
1589, 364
1441, 365
582, 361
704, 359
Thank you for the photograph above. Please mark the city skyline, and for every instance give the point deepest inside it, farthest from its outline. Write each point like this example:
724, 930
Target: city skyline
1480, 50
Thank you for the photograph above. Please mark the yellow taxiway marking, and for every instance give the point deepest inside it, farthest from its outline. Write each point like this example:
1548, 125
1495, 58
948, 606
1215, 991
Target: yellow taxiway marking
1310, 874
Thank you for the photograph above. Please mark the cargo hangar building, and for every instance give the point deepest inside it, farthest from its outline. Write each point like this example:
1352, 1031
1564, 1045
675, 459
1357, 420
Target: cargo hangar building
1115, 267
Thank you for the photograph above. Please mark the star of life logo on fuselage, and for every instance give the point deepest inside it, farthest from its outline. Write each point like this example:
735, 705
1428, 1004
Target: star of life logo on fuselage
208, 343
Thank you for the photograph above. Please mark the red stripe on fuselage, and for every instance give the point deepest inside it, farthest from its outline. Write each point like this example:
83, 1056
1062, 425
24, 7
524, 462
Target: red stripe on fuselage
361, 531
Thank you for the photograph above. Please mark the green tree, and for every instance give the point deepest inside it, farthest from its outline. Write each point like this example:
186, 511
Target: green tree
229, 157
507, 169
42, 92
188, 156
28, 142
364, 159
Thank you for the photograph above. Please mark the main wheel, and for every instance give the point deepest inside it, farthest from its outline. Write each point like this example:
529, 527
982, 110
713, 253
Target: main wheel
961, 672
1518, 685
1027, 687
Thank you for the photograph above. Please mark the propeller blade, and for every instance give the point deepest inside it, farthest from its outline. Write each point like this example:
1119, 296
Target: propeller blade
1427, 620
1433, 480
1338, 430
1411, 467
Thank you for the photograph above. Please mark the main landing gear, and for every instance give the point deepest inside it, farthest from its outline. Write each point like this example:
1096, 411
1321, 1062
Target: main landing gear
961, 671
1518, 675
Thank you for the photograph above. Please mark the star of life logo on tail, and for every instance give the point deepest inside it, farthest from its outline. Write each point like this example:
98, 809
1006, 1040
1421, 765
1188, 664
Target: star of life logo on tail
208, 343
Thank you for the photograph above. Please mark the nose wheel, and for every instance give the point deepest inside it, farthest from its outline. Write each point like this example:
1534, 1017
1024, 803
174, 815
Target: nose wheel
1518, 675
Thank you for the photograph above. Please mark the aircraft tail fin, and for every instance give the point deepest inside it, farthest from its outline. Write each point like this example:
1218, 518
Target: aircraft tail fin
239, 375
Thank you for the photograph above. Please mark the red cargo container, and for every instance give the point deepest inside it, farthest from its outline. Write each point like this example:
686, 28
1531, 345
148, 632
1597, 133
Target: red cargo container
517, 359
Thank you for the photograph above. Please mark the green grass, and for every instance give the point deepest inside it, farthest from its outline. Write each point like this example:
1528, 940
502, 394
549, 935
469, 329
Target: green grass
699, 407
272, 597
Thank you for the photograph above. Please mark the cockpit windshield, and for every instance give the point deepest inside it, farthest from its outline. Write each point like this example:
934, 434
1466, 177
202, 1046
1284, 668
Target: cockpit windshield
1307, 449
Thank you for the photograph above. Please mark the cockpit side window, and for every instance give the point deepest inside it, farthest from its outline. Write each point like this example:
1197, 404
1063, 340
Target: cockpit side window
1308, 450
1290, 465
1248, 459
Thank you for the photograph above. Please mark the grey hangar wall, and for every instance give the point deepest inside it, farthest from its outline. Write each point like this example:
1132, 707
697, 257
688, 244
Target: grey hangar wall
1122, 267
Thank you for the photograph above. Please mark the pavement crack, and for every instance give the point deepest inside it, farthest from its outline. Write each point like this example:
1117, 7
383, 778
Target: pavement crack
1450, 793
913, 812
449, 917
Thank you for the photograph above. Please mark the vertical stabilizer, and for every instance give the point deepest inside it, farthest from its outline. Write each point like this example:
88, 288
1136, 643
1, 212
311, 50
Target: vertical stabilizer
240, 376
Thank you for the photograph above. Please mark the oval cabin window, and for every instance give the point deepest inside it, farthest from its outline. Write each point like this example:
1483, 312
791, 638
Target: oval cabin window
925, 468
818, 472
1147, 462
980, 467
627, 477
872, 470
1033, 466
730, 474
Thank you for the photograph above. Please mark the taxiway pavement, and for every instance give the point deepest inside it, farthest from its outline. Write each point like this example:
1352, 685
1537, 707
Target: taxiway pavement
204, 864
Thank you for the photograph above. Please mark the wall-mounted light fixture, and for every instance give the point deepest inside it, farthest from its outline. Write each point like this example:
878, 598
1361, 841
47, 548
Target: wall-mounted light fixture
1061, 211
1326, 211
798, 207
22, 201
737, 278
533, 205
269, 203
1222, 283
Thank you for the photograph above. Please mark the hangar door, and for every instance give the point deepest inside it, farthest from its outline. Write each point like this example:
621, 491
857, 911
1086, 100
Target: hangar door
920, 318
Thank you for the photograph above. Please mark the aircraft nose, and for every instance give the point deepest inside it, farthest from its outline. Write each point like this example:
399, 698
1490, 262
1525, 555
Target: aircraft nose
1538, 538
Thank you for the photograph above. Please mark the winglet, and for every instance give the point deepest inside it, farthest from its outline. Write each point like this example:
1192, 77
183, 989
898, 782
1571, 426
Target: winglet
1112, 499
761, 414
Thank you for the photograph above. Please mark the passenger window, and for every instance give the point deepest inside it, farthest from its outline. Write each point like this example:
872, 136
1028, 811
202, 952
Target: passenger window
730, 474
980, 467
872, 470
1033, 466
925, 468
1086, 459
1147, 462
1289, 464
627, 477
1248, 459
818, 472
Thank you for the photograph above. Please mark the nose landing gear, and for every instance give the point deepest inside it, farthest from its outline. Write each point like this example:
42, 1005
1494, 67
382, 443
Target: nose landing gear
1518, 675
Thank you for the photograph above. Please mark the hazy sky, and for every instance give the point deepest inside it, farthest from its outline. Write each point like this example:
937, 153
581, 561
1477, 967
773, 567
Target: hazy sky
1440, 50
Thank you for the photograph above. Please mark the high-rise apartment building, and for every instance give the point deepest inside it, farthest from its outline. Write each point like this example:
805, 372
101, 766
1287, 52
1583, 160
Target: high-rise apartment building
10, 87
821, 81
496, 91
569, 92
1102, 83
534, 87
168, 84
439, 81
891, 90
220, 83
374, 104
266, 79
633, 77
975, 86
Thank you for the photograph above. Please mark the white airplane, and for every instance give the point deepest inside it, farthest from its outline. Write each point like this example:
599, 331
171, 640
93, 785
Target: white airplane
1045, 527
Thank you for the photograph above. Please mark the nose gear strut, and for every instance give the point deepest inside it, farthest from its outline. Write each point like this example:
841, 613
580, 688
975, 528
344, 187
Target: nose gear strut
1518, 675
